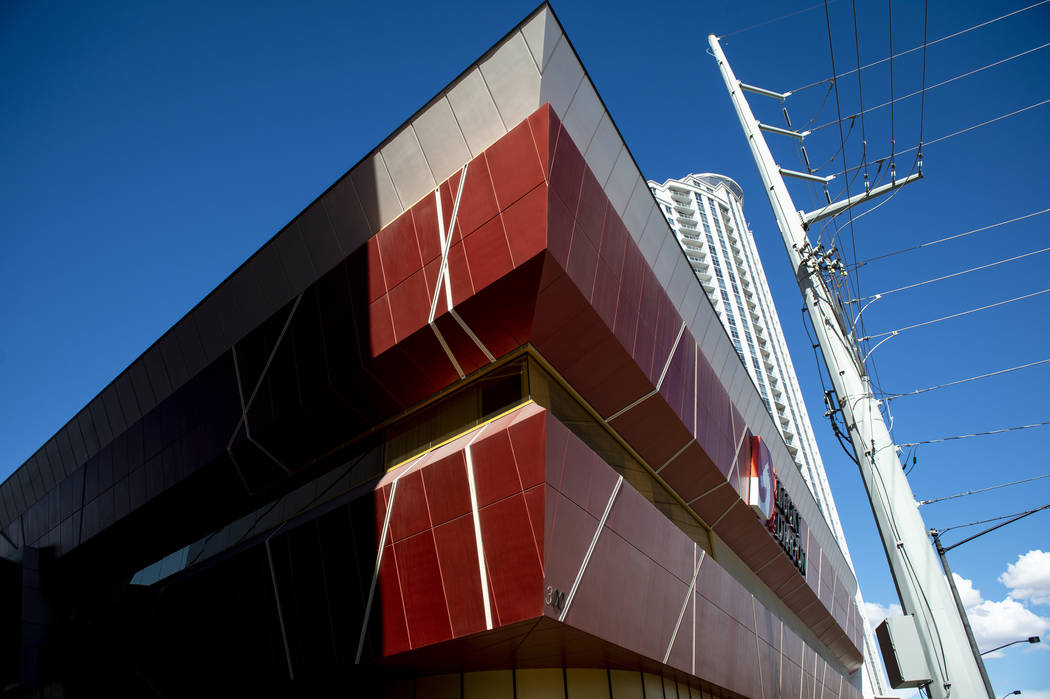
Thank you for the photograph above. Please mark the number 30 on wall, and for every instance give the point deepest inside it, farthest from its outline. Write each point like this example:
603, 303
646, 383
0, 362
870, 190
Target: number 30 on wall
555, 598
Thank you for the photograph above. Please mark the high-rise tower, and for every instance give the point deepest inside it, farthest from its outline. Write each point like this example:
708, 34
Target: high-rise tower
705, 211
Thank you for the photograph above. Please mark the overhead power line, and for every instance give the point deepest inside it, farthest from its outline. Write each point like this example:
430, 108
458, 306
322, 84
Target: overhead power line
967, 380
982, 490
842, 146
954, 274
995, 519
920, 46
771, 21
936, 85
953, 315
975, 434
951, 135
951, 237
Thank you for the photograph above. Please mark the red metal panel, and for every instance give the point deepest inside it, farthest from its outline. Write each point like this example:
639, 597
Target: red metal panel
424, 216
540, 126
528, 435
488, 253
410, 304
511, 557
514, 161
458, 558
495, 474
391, 628
422, 590
410, 514
447, 491
399, 249
477, 204
592, 306
525, 223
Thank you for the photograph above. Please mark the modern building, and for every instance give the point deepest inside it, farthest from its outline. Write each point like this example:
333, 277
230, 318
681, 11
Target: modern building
706, 213
466, 427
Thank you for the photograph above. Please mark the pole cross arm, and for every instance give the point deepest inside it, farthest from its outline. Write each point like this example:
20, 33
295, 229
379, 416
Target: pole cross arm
763, 91
783, 132
840, 206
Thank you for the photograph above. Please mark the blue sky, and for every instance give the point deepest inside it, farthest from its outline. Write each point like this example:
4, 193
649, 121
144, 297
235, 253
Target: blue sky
150, 148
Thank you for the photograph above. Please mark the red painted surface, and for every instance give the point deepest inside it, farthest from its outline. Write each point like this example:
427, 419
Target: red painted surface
538, 255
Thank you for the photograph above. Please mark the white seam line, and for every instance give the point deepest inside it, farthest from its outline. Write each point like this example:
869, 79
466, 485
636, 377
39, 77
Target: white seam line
692, 597
267, 453
379, 559
670, 356
590, 549
482, 569
280, 614
740, 443
675, 455
685, 603
758, 649
627, 407
448, 350
696, 386
240, 394
722, 516
707, 492
441, 242
451, 230
273, 353
780, 659
266, 367
471, 335
446, 243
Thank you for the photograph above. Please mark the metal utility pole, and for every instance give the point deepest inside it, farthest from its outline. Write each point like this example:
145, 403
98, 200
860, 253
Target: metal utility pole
913, 563
941, 551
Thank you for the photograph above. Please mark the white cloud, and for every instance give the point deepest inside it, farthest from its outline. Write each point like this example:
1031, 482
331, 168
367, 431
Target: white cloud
970, 595
1029, 577
875, 612
995, 623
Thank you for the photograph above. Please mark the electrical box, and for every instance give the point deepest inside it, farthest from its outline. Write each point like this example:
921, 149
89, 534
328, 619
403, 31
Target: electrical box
902, 652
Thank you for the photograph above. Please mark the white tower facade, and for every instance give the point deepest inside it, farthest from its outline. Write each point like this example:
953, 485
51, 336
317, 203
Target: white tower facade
705, 211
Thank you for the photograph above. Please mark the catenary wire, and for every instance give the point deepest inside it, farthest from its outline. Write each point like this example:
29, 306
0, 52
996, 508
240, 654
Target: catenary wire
893, 137
957, 133
993, 519
967, 74
898, 331
951, 237
924, 44
771, 21
954, 274
966, 380
842, 138
860, 97
975, 434
981, 490
922, 99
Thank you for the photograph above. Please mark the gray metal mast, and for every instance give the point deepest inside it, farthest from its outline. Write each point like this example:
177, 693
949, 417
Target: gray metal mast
913, 563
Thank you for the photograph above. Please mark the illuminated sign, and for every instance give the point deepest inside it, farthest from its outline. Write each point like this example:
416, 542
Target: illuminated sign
771, 504
760, 482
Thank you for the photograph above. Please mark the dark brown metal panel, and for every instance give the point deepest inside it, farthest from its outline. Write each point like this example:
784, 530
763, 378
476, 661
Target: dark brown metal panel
190, 344
145, 395
157, 373
295, 258
319, 237
346, 215
171, 352
125, 396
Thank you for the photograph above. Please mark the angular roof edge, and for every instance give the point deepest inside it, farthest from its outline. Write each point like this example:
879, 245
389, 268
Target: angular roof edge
532, 64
